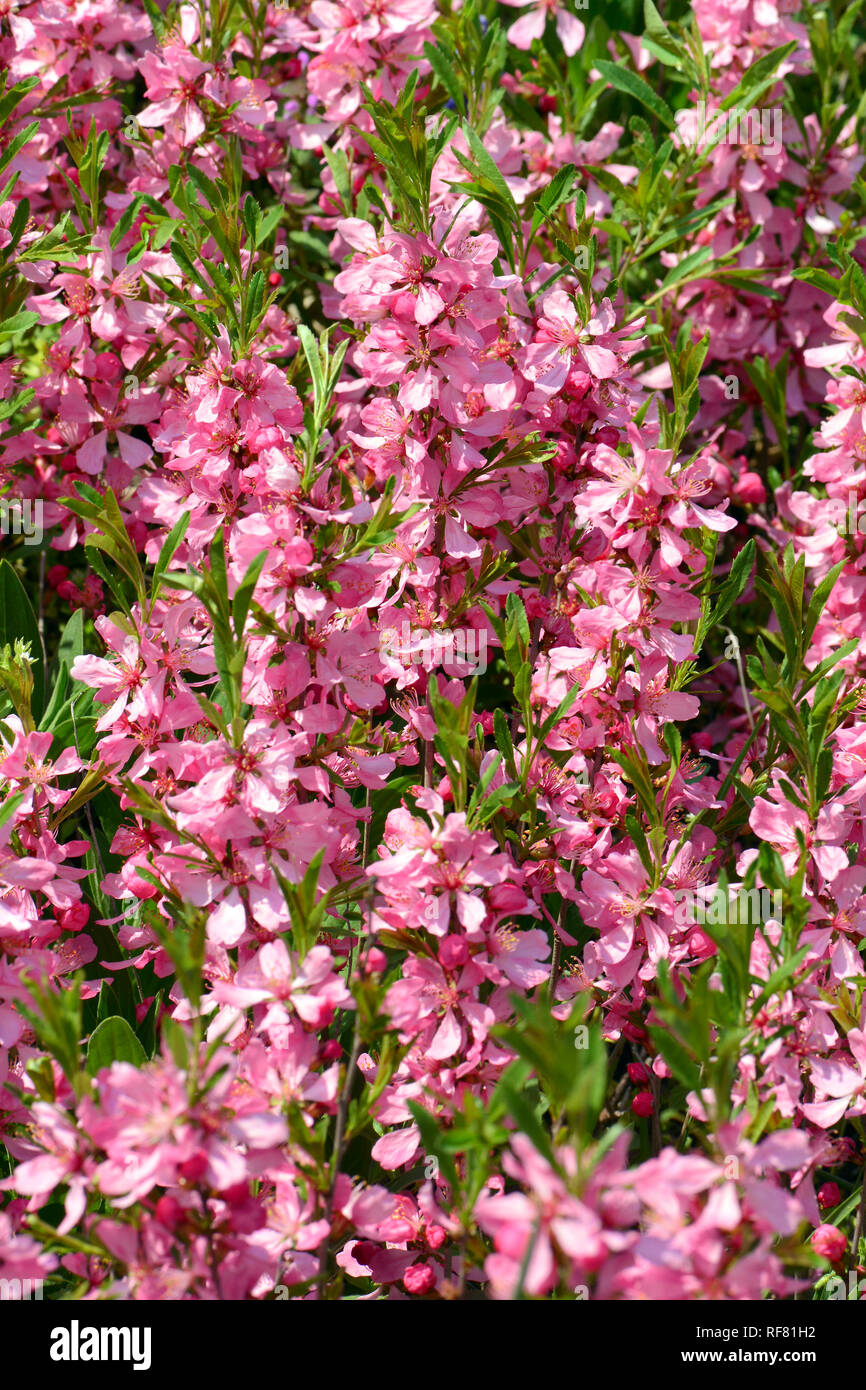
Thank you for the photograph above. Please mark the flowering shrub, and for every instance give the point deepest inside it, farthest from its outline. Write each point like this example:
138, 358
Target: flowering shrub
432, 655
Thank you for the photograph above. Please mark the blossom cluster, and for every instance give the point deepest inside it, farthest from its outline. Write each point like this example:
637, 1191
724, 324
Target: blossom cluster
365, 968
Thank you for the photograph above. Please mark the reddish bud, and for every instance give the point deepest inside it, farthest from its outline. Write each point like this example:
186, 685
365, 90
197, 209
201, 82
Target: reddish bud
829, 1195
830, 1242
436, 1237
168, 1211
749, 490
235, 1195
419, 1279
193, 1169
73, 918
701, 945
453, 952
637, 1073
642, 1105
633, 1032
606, 435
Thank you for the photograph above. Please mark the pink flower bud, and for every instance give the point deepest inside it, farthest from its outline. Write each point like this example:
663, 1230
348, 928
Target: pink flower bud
193, 1169
701, 945
634, 1032
749, 490
73, 918
637, 1073
376, 961
642, 1105
606, 435
453, 952
830, 1242
829, 1195
168, 1211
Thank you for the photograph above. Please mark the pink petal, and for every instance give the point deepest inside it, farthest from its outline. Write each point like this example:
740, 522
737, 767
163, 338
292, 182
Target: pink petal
528, 27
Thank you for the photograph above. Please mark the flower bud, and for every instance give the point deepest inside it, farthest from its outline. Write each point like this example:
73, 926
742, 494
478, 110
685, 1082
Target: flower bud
419, 1279
829, 1195
749, 490
453, 952
830, 1242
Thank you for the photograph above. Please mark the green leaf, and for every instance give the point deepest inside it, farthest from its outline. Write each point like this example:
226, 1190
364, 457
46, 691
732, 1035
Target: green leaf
490, 169
758, 77
58, 697
656, 30
736, 581
624, 80
311, 352
72, 638
169, 547
684, 1067
821, 279
113, 1041
339, 167
173, 1034
126, 221
819, 602
147, 1029
448, 78
269, 223
25, 318
107, 1003
18, 143
9, 807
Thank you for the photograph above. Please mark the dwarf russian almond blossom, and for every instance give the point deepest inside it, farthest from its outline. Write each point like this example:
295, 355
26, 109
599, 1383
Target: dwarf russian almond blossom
432, 672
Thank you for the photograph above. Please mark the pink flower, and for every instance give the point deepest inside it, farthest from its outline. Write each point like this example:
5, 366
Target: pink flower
312, 988
175, 86
656, 705
834, 1078
531, 25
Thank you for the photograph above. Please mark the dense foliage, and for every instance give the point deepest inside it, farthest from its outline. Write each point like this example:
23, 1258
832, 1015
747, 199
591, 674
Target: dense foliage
432, 756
